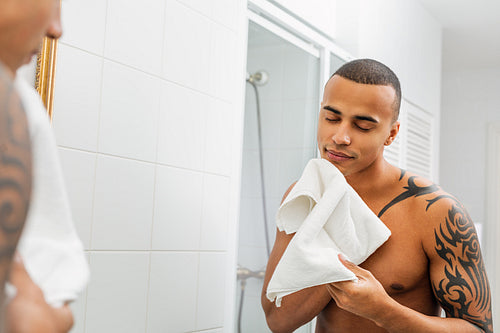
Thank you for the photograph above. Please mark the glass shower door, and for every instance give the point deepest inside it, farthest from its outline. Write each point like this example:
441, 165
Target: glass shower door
282, 104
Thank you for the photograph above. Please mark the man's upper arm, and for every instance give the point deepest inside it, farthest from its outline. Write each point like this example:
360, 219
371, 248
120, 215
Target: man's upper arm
457, 271
15, 172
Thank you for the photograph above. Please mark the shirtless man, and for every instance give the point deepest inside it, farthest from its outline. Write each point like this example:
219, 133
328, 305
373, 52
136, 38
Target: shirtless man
432, 259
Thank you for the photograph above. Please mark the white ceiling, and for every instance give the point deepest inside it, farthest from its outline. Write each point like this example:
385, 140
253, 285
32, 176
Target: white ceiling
471, 31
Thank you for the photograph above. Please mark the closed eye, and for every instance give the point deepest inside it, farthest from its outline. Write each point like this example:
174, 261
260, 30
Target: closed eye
364, 125
362, 128
331, 119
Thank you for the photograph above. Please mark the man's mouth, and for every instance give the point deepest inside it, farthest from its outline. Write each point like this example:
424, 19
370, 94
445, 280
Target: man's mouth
337, 155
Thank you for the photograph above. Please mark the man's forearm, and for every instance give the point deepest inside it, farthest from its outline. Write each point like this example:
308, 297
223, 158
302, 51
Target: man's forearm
296, 309
397, 318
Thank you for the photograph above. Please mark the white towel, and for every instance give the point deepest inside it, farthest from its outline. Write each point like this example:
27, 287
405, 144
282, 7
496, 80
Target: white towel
329, 218
49, 246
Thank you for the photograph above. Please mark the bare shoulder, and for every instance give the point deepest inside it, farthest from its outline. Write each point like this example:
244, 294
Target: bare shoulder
438, 204
288, 191
416, 193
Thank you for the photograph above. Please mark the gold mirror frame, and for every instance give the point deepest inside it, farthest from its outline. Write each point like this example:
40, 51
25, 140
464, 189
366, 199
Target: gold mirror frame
46, 72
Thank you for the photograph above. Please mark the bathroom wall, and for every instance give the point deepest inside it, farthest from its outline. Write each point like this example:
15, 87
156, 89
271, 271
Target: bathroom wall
470, 102
148, 118
469, 105
401, 34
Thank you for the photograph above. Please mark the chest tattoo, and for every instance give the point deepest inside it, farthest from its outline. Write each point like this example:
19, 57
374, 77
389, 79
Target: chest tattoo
411, 190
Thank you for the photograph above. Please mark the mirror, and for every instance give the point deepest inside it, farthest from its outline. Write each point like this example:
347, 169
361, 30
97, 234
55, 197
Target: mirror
45, 73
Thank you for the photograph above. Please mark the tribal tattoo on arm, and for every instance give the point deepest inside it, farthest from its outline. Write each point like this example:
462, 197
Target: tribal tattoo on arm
463, 291
15, 173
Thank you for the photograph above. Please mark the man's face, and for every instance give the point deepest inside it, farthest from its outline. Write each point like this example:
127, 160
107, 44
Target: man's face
23, 24
355, 122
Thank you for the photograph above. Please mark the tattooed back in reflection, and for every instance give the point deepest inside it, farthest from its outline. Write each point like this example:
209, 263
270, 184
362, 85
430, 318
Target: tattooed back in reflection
15, 172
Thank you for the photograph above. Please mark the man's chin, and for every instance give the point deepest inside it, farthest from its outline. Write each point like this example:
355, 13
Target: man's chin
338, 166
30, 58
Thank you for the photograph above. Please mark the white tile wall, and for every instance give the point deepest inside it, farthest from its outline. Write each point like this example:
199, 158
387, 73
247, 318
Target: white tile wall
218, 158
134, 33
77, 30
182, 127
211, 290
250, 184
301, 81
117, 292
251, 224
173, 292
129, 114
186, 52
78, 91
177, 211
123, 204
224, 13
299, 123
204, 7
215, 213
271, 114
223, 57
79, 172
79, 309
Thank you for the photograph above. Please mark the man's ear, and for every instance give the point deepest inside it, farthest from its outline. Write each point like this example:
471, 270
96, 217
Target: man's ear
393, 133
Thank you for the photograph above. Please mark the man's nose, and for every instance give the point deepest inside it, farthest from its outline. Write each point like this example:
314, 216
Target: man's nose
341, 136
55, 28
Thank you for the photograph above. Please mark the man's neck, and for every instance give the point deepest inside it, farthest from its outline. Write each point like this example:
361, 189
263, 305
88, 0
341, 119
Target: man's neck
373, 180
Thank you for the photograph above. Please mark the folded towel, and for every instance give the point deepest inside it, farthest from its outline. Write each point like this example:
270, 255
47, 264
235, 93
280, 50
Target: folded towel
49, 246
329, 218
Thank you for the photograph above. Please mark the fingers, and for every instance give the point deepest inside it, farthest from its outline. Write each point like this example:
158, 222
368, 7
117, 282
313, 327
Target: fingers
343, 286
360, 272
333, 291
343, 259
18, 272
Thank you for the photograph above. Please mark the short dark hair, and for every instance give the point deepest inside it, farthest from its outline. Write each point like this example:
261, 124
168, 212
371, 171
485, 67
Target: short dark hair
369, 71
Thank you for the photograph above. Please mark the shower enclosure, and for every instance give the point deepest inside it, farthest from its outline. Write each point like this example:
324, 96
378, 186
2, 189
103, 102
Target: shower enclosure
280, 126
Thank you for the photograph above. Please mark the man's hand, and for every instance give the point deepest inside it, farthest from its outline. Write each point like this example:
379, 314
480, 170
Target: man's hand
28, 312
365, 297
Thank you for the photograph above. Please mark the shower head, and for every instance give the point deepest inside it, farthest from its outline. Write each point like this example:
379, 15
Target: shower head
258, 78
